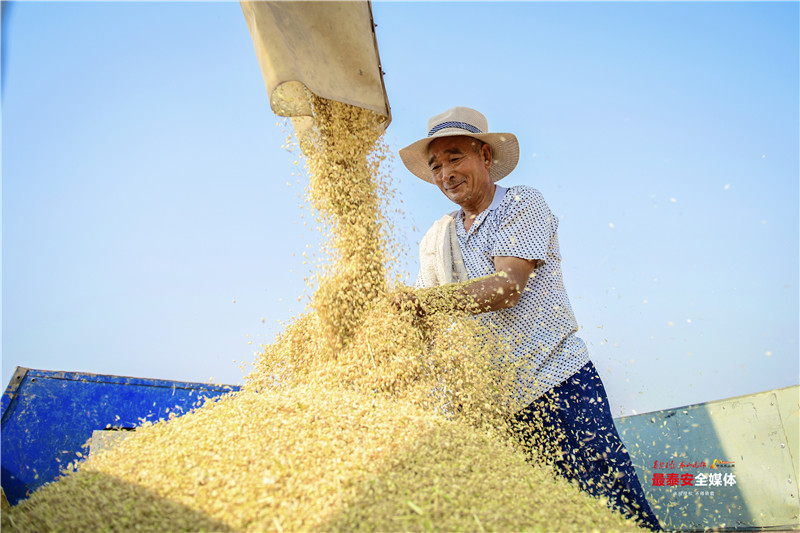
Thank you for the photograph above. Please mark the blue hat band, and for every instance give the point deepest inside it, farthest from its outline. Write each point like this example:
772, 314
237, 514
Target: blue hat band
460, 125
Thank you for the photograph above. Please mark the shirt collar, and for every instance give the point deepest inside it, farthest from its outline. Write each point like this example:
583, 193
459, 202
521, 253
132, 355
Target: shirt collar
499, 193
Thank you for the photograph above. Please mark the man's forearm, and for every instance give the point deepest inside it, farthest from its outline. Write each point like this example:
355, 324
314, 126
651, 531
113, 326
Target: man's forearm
489, 293
500, 290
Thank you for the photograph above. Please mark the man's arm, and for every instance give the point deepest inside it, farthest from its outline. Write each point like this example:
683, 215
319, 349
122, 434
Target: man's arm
500, 290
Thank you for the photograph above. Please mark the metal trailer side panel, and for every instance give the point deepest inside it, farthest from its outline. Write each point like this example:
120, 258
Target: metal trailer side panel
727, 464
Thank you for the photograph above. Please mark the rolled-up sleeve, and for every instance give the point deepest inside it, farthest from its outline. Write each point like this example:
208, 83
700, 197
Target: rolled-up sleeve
525, 229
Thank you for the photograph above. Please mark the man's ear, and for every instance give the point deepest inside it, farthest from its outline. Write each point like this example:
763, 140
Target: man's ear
486, 155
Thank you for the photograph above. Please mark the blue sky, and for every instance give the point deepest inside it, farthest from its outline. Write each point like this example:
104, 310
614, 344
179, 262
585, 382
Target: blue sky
148, 227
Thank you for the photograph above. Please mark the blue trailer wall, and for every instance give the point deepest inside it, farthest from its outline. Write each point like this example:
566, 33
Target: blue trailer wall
49, 416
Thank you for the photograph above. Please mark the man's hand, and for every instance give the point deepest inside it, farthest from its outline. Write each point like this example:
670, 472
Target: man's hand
407, 300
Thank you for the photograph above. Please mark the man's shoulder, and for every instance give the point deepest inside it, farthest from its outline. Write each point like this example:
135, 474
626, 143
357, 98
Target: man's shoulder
521, 193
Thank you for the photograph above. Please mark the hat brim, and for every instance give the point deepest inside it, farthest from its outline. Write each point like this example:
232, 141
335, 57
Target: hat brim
505, 153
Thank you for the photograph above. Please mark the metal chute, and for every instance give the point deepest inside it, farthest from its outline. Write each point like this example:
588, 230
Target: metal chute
327, 48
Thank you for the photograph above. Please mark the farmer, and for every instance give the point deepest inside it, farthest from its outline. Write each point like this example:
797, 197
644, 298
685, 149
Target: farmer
508, 238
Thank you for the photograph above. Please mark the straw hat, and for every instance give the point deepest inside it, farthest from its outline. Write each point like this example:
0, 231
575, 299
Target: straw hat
468, 122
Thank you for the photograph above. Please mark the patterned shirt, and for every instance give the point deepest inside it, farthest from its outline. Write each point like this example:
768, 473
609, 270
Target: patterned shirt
541, 327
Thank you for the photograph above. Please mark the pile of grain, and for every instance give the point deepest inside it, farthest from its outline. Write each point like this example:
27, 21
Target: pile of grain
358, 417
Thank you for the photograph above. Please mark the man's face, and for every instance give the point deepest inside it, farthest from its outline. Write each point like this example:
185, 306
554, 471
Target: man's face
460, 168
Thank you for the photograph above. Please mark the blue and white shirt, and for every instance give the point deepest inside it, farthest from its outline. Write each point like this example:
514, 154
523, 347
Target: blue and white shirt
542, 326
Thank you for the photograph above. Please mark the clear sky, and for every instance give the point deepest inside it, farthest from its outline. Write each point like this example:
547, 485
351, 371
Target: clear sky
148, 229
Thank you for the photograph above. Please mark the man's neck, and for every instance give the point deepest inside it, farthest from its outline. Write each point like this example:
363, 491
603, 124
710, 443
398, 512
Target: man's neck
473, 209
